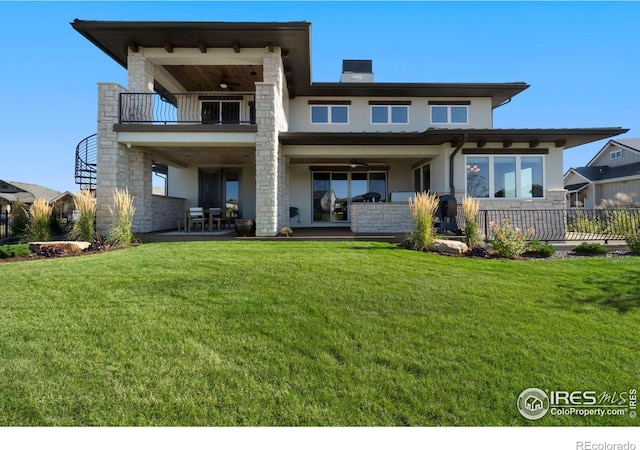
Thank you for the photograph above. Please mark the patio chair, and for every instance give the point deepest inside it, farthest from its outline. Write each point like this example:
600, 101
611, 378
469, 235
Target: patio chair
195, 216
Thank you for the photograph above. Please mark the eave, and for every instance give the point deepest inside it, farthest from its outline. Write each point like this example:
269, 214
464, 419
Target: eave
560, 137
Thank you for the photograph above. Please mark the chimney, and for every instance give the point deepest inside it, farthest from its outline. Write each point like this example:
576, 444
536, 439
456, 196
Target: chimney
357, 71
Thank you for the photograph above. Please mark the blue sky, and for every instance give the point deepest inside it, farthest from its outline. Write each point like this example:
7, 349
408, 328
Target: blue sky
582, 60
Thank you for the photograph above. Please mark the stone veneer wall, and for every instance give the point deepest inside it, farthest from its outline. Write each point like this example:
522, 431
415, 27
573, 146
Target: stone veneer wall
271, 185
384, 217
166, 211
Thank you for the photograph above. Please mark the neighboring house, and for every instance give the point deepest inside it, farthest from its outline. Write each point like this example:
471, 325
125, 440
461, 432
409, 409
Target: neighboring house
231, 110
615, 169
12, 191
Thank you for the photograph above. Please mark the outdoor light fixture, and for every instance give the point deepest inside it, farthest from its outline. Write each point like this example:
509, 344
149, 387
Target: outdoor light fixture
224, 84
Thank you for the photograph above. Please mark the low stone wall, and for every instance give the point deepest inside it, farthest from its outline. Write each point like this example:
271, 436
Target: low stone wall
384, 217
166, 212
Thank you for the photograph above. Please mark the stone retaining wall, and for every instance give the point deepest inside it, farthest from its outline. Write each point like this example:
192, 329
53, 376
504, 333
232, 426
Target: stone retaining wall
166, 212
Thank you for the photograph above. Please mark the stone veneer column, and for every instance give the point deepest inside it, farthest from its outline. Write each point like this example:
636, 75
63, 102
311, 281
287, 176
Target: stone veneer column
119, 167
271, 173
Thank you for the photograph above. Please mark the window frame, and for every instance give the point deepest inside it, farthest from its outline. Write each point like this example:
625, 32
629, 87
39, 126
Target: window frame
615, 154
448, 109
389, 108
518, 177
329, 114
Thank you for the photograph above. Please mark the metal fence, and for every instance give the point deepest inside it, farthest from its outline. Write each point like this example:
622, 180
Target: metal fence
192, 108
5, 226
574, 224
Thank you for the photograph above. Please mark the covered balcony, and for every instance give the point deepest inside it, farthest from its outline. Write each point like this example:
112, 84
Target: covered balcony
193, 108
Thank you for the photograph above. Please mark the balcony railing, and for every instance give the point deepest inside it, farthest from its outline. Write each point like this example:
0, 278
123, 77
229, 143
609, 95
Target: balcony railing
234, 108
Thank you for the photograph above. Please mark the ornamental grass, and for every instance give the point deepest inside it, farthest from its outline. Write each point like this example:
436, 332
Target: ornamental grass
38, 228
120, 233
423, 210
470, 208
84, 228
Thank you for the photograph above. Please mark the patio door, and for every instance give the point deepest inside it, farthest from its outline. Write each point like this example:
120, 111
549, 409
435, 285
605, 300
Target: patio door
334, 192
221, 188
221, 111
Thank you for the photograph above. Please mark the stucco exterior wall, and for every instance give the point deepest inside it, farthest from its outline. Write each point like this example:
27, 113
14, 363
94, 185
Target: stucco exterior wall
480, 115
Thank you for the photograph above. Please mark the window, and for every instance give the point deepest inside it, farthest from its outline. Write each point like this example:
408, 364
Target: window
389, 114
505, 176
334, 192
616, 154
448, 114
329, 114
422, 178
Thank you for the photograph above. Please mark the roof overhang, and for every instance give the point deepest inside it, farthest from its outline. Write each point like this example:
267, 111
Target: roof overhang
560, 137
115, 38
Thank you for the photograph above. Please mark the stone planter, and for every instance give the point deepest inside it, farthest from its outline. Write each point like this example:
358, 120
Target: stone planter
245, 227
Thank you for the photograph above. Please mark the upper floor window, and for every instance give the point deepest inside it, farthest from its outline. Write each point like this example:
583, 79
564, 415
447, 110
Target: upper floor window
329, 114
617, 154
389, 112
449, 112
508, 176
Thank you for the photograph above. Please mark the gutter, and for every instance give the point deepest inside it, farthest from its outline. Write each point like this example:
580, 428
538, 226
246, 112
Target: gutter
451, 157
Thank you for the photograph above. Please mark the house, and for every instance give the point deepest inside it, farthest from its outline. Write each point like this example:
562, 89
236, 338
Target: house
13, 191
231, 112
614, 170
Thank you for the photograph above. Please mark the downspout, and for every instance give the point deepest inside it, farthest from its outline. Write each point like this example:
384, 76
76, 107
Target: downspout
453, 155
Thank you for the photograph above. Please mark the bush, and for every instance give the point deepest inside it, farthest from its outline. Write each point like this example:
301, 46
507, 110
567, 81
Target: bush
120, 233
14, 250
39, 216
507, 241
536, 249
470, 207
99, 244
19, 218
591, 249
423, 210
633, 242
51, 251
84, 228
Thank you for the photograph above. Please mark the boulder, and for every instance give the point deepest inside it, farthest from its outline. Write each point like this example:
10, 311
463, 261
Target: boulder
448, 247
67, 246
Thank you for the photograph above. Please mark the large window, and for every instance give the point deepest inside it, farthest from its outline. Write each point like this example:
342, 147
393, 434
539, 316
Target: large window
333, 193
329, 114
505, 176
422, 178
449, 114
394, 114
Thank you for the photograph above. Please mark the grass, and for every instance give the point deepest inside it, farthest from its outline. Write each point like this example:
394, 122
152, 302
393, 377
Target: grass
305, 333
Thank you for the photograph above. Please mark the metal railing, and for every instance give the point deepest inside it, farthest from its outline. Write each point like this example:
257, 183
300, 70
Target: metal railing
562, 224
193, 108
86, 162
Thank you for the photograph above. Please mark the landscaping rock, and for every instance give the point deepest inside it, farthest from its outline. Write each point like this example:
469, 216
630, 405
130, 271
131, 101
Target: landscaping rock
448, 247
67, 246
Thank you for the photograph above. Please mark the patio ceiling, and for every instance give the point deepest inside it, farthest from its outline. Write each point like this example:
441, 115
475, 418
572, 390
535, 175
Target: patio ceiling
202, 156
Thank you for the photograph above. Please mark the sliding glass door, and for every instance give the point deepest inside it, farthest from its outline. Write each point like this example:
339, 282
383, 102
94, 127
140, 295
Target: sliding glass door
334, 192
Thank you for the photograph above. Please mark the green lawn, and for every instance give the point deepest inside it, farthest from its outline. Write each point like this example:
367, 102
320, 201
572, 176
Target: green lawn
309, 333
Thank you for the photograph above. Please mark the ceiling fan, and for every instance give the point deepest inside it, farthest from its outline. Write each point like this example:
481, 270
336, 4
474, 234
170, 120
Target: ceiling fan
226, 84
356, 163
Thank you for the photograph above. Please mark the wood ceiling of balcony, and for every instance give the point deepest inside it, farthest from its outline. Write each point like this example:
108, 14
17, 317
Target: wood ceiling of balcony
208, 78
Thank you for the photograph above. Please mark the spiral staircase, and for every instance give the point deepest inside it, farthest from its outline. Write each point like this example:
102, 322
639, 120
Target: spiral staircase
86, 162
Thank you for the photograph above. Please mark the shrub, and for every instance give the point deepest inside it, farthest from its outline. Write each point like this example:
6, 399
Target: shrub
84, 228
51, 251
633, 242
423, 210
507, 241
583, 224
591, 249
536, 249
470, 207
39, 216
19, 217
622, 222
120, 233
99, 244
14, 250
